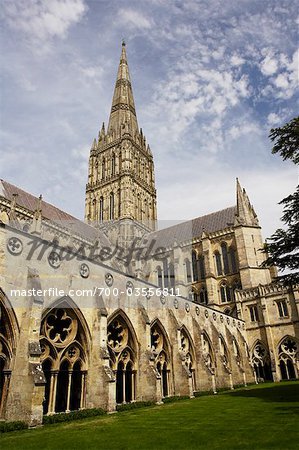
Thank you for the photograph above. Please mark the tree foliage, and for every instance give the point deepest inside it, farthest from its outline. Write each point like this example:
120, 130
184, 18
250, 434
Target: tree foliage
283, 245
286, 140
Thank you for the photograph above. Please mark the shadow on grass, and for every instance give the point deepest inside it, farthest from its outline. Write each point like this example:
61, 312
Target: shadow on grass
285, 393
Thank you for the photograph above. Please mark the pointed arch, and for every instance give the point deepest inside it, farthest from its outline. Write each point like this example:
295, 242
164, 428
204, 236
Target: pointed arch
288, 354
120, 312
65, 344
161, 350
157, 323
123, 349
9, 331
187, 349
208, 352
68, 303
224, 353
260, 360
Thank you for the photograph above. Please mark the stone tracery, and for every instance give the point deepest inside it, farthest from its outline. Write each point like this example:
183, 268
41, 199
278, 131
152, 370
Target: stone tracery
64, 359
122, 350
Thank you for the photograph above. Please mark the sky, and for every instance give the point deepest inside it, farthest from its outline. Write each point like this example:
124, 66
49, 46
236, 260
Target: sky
210, 79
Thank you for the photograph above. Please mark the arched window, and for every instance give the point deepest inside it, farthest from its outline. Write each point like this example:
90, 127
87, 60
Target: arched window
101, 212
208, 353
111, 213
225, 258
288, 351
165, 270
187, 351
233, 260
195, 296
203, 296
201, 266
122, 349
260, 359
64, 359
171, 276
194, 266
224, 354
188, 271
103, 169
160, 349
7, 344
113, 165
225, 293
218, 263
160, 277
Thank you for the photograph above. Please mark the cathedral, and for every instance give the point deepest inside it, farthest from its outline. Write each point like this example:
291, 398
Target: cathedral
112, 310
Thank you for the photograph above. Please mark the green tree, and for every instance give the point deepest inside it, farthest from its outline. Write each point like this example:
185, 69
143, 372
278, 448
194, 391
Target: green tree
283, 245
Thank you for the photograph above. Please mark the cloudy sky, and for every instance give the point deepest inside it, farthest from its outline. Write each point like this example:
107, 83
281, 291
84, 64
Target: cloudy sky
210, 78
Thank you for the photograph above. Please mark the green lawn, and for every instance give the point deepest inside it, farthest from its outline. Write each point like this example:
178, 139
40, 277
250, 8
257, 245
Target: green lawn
258, 417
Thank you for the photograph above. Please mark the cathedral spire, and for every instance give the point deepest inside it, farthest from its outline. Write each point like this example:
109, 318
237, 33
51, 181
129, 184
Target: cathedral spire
245, 211
123, 114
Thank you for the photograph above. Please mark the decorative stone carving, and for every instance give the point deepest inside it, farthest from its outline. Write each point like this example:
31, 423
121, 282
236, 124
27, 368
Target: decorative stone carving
109, 279
54, 260
14, 246
84, 270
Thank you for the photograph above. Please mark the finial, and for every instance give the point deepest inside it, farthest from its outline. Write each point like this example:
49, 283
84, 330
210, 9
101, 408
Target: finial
123, 42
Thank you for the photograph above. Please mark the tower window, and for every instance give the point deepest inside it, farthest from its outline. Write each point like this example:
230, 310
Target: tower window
233, 260
225, 258
254, 314
188, 271
225, 293
218, 263
194, 266
165, 270
111, 215
171, 275
113, 165
201, 266
103, 169
282, 308
101, 212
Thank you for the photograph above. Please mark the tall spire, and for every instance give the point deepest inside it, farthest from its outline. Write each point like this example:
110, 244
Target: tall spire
245, 211
123, 114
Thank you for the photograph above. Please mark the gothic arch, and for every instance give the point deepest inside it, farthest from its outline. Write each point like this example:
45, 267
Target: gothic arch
68, 303
260, 360
224, 354
9, 330
187, 350
161, 350
208, 353
123, 349
288, 355
65, 344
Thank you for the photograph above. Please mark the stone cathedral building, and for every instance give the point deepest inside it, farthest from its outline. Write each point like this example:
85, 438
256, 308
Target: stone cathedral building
112, 310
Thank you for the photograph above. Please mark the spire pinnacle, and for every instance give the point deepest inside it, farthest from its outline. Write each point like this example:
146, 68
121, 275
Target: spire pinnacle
245, 211
123, 106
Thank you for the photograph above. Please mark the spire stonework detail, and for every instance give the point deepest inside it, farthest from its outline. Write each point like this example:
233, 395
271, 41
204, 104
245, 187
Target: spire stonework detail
121, 183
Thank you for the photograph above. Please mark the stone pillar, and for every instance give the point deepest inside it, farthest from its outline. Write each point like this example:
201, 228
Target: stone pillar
26, 393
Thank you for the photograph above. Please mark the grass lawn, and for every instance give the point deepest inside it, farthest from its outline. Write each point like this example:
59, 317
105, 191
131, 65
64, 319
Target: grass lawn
258, 417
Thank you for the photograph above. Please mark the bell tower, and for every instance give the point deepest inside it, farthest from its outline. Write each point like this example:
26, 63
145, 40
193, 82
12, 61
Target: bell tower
121, 183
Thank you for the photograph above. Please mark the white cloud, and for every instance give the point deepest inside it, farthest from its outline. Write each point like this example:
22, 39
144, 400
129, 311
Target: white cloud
273, 119
133, 19
237, 60
43, 19
269, 65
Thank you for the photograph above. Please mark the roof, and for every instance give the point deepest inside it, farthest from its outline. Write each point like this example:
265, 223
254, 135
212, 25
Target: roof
194, 228
50, 212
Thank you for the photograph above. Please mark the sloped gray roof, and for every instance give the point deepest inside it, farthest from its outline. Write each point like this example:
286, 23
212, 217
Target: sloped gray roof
194, 228
49, 212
